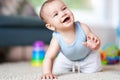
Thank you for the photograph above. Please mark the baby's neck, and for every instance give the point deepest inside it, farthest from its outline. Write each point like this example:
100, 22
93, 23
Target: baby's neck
68, 36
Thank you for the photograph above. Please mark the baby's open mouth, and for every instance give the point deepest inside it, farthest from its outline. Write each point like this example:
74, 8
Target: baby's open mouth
66, 19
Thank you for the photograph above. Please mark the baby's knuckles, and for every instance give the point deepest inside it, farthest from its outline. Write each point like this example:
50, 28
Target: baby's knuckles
48, 76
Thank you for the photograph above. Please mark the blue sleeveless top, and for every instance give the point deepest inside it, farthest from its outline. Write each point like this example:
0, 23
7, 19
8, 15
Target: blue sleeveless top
75, 51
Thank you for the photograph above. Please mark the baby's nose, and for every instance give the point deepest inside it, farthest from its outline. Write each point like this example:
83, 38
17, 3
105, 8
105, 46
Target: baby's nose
63, 14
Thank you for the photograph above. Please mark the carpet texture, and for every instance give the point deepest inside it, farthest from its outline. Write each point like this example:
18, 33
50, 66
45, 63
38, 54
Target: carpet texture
24, 71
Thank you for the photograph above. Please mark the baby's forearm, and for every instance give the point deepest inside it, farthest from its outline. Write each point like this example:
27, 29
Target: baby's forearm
47, 66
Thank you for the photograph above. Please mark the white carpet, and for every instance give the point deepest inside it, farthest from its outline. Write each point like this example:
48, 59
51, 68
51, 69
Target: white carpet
24, 71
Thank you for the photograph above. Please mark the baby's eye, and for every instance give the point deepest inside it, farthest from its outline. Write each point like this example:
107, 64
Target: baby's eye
55, 14
64, 8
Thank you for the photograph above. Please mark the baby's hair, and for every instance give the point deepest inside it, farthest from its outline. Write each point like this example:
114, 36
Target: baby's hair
42, 7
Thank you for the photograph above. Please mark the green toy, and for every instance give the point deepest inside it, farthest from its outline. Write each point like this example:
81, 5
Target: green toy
109, 54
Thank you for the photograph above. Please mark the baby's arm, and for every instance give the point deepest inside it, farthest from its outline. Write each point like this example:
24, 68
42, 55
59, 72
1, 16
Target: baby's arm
93, 42
49, 59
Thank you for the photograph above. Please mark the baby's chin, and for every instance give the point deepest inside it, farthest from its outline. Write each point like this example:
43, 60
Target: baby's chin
68, 24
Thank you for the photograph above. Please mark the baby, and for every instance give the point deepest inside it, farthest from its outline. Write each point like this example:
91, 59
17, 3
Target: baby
73, 45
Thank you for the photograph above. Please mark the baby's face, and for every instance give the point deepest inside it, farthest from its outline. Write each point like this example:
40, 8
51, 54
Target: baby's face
58, 15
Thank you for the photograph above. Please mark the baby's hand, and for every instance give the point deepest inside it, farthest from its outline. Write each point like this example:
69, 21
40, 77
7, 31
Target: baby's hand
92, 42
48, 76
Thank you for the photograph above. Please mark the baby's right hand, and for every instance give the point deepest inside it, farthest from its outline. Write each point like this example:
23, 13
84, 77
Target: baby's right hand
48, 76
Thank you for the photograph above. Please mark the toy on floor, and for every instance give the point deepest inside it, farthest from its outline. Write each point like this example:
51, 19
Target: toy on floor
119, 55
38, 53
109, 54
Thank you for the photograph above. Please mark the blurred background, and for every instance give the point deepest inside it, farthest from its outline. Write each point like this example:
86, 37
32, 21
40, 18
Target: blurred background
20, 25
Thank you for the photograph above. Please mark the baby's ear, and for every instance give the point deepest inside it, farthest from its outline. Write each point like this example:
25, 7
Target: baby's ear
50, 27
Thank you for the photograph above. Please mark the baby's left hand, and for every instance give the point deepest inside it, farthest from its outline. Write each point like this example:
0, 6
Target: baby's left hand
92, 42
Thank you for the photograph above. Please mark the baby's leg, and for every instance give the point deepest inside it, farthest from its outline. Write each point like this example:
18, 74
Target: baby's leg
62, 64
91, 64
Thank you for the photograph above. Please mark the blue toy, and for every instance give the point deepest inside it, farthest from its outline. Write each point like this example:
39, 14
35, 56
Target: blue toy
38, 53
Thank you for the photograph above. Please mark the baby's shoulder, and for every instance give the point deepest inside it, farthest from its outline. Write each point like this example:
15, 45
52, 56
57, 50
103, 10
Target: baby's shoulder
82, 25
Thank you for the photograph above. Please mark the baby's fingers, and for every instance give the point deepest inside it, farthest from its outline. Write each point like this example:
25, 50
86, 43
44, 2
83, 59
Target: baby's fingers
95, 40
48, 77
84, 43
87, 44
42, 78
53, 77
